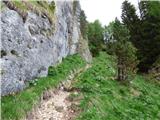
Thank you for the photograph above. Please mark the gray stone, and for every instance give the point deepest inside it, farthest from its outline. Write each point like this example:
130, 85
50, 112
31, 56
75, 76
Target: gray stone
33, 46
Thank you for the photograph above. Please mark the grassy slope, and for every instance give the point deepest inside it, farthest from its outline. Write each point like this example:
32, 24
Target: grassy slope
14, 107
107, 99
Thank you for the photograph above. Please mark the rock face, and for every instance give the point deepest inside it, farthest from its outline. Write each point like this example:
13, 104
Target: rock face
29, 48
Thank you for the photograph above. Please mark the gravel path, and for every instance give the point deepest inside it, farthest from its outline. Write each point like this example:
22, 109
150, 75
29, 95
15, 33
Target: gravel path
53, 108
54, 104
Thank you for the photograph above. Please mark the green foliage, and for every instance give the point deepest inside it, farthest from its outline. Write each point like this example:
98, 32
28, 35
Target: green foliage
150, 32
120, 32
144, 31
149, 9
108, 30
33, 82
52, 7
43, 8
95, 37
15, 107
107, 99
124, 50
132, 22
108, 38
129, 16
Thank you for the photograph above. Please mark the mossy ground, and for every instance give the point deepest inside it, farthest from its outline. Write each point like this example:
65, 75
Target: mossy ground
108, 99
15, 107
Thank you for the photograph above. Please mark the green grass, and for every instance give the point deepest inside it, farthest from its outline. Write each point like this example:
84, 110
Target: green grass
108, 99
103, 97
38, 7
41, 5
15, 107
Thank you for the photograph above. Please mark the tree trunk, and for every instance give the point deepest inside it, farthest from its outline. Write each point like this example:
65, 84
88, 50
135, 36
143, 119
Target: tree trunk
120, 72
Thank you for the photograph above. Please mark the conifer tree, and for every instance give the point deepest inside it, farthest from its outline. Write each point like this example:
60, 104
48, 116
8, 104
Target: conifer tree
125, 51
150, 32
145, 32
131, 20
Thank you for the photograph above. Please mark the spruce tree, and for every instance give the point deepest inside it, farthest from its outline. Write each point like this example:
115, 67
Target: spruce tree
150, 31
132, 22
145, 32
125, 52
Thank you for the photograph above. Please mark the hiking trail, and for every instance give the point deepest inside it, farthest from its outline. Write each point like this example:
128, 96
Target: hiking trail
54, 104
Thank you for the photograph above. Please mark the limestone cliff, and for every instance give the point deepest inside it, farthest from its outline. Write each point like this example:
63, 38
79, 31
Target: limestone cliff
32, 42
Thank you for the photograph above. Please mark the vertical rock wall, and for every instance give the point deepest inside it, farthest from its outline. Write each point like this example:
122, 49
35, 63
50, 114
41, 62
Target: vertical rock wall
29, 48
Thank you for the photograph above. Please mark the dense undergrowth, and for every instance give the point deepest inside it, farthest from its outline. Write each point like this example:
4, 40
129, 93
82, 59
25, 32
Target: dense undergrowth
108, 99
15, 107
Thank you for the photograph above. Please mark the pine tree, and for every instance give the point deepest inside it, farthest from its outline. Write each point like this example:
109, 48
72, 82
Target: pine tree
125, 51
145, 32
150, 31
132, 22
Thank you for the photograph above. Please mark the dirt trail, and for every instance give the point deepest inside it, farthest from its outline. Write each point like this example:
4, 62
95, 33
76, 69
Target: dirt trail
54, 104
